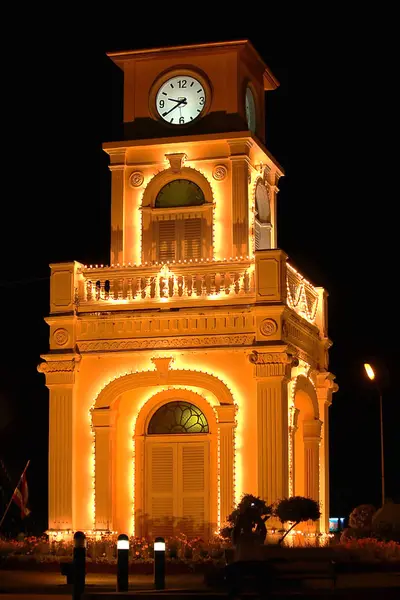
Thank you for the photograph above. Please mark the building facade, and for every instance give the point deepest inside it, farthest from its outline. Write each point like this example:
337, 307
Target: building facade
194, 367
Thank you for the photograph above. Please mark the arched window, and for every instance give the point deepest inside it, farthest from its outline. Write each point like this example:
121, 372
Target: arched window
178, 417
262, 225
180, 192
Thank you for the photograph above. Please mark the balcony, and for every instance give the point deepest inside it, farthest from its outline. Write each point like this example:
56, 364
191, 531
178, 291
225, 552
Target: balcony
267, 278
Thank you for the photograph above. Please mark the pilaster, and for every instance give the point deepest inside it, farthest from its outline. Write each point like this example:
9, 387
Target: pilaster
325, 388
240, 189
117, 167
272, 373
312, 438
104, 426
60, 378
226, 422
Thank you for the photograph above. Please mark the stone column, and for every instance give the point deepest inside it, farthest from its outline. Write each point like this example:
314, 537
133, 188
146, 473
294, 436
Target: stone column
60, 378
240, 202
226, 422
272, 373
325, 388
104, 426
312, 438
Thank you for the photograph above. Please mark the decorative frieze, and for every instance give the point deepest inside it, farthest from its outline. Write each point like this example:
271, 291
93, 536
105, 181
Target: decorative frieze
174, 342
58, 371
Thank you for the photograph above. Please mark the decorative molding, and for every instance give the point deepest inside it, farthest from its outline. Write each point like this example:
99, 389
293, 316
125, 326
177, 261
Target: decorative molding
271, 364
61, 336
304, 337
58, 371
176, 161
136, 179
268, 327
163, 365
58, 366
175, 342
220, 172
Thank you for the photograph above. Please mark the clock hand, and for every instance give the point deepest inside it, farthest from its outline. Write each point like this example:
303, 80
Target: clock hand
174, 107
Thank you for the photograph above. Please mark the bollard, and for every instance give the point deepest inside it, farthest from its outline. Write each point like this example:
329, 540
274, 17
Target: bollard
79, 565
122, 562
159, 563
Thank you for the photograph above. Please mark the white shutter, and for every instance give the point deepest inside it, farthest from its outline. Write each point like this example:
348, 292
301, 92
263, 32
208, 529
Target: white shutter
262, 233
192, 239
160, 488
194, 481
166, 241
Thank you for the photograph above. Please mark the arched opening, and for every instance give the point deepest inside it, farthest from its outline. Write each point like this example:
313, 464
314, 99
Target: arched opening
177, 470
306, 432
180, 192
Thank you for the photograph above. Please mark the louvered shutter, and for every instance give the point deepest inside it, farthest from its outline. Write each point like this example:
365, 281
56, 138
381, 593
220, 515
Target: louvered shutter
192, 239
161, 488
194, 482
167, 241
262, 233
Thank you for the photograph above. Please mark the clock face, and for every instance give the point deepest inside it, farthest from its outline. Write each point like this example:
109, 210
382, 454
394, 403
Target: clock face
180, 100
250, 110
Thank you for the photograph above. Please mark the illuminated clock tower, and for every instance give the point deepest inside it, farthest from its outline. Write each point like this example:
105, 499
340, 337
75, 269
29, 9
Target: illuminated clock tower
194, 367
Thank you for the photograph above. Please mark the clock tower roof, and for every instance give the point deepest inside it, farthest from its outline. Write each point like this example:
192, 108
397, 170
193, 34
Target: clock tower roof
123, 58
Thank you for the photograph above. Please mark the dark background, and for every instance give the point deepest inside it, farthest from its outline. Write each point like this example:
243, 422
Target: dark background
332, 125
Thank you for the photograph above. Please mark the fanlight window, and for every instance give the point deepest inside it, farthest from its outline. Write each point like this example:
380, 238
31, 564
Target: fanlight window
180, 192
178, 417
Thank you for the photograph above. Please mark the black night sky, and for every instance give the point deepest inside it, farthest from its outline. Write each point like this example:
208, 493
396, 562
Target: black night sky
330, 125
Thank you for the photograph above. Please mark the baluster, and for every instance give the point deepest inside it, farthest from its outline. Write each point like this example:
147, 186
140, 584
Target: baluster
98, 288
138, 291
213, 285
184, 287
129, 294
194, 285
232, 284
240, 285
121, 294
89, 291
174, 289
112, 289
222, 283
203, 286
151, 287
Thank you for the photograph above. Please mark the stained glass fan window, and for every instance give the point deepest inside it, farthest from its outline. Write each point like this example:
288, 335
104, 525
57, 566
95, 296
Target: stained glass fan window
178, 417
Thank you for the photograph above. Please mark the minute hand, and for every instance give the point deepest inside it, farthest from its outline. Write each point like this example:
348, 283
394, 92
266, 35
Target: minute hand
179, 102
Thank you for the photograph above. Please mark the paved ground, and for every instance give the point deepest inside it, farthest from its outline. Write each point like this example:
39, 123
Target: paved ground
18, 585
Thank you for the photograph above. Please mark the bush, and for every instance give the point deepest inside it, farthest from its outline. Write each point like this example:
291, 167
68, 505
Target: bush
248, 517
361, 516
296, 510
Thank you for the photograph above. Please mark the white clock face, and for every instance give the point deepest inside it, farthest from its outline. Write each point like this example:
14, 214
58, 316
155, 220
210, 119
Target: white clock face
180, 100
250, 110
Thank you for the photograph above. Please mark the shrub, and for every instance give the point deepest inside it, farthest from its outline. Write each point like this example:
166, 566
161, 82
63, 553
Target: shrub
296, 510
248, 517
361, 516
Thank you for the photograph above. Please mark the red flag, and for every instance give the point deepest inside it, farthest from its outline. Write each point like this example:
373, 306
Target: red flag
20, 496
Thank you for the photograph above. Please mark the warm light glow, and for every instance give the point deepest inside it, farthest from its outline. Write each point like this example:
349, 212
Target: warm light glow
123, 545
159, 546
370, 371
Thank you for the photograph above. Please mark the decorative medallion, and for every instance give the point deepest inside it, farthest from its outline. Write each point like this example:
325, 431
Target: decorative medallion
220, 172
136, 179
61, 337
268, 327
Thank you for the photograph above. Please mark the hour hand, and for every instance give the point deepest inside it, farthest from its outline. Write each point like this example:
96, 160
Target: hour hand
178, 103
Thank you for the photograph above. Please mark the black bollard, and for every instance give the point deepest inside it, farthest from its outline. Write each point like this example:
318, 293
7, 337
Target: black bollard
159, 563
122, 562
79, 565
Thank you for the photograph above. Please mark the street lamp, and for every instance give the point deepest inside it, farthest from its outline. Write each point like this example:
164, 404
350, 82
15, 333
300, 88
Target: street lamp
371, 374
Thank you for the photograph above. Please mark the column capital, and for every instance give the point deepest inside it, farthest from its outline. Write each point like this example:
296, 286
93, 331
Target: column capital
226, 414
103, 418
326, 386
312, 430
59, 369
272, 364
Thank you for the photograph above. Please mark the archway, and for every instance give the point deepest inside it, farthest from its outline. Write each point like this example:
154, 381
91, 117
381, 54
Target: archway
215, 402
306, 435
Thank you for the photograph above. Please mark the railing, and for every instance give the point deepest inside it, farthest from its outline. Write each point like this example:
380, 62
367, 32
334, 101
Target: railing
266, 278
175, 282
301, 295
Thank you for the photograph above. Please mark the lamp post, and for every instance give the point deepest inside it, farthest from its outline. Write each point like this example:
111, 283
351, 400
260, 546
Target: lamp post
371, 374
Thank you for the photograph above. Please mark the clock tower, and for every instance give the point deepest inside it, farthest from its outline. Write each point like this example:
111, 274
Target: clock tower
194, 367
